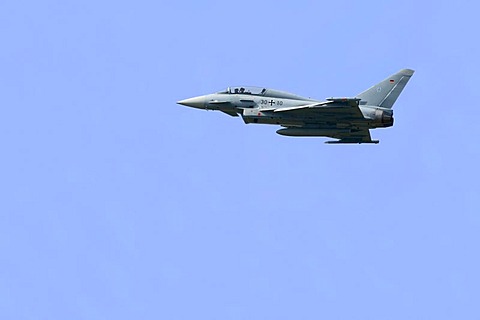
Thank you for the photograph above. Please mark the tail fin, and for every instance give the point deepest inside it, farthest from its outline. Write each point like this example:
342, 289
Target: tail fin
385, 93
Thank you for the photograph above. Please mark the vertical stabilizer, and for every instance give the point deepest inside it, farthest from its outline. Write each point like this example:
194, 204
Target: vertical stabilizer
385, 93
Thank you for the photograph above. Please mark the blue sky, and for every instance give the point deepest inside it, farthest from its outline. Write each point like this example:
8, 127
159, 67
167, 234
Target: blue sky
117, 203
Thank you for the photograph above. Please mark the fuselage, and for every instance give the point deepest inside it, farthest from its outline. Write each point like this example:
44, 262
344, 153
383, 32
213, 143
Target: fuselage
258, 107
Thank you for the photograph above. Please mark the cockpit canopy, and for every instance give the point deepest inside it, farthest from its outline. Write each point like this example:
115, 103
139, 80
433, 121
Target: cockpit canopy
244, 90
262, 92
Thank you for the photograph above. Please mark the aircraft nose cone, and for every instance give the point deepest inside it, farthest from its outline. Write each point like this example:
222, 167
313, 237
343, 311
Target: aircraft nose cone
196, 102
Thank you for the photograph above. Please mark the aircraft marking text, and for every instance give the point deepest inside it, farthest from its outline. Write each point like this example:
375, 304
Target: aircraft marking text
272, 102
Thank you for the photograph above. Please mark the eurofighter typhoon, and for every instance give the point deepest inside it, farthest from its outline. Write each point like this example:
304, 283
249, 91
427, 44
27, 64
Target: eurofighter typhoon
348, 120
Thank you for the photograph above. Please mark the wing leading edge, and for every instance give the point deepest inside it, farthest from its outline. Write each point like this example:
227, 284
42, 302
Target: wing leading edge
344, 107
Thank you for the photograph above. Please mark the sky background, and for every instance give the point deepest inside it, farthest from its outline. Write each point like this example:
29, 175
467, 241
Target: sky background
117, 203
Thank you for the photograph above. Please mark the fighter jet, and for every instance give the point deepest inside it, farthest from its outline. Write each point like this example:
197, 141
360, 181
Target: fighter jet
348, 120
